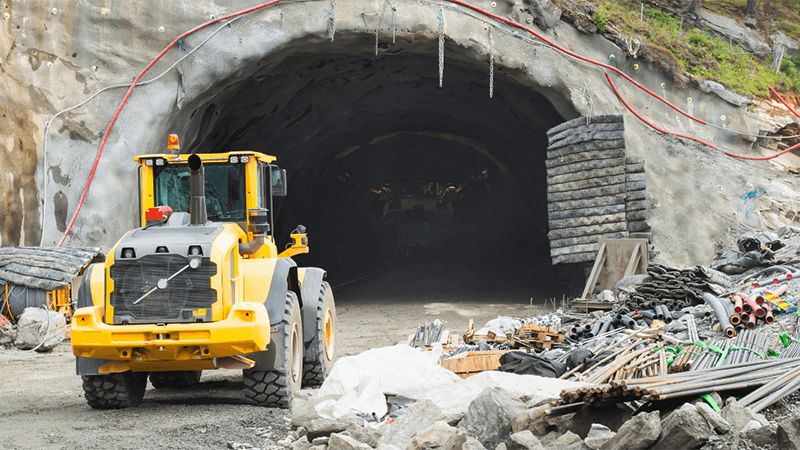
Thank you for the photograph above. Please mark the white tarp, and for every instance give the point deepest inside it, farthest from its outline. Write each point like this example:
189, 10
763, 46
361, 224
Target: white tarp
359, 384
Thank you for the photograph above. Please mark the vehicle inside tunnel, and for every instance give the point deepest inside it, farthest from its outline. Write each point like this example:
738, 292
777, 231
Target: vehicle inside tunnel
430, 190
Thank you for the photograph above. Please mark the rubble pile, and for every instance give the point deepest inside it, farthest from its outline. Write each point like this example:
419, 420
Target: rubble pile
681, 358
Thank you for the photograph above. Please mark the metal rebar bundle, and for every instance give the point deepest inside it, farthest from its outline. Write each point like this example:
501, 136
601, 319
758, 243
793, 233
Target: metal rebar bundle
770, 381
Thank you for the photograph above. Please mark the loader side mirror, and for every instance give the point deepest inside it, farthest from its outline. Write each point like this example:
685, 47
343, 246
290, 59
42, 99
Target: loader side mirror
278, 181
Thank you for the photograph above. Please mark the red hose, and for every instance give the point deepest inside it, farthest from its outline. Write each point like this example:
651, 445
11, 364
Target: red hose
692, 138
780, 99
110, 125
577, 56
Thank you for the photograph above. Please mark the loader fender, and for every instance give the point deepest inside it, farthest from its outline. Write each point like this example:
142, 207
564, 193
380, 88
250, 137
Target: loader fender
311, 279
89, 366
273, 358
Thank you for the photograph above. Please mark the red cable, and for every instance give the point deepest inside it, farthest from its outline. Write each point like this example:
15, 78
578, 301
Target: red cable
780, 99
577, 56
632, 81
110, 125
692, 138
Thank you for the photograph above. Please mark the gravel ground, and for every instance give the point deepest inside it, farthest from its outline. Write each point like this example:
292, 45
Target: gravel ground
42, 405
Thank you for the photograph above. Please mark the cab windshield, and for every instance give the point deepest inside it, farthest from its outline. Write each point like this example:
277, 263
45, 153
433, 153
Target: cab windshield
225, 190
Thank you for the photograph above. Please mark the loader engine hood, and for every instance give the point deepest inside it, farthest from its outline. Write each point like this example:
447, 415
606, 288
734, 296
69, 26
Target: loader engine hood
152, 278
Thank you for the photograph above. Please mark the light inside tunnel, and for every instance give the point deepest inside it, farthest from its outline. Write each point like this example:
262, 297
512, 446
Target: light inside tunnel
387, 170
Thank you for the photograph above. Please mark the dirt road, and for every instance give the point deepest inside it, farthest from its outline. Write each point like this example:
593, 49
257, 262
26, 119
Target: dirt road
42, 405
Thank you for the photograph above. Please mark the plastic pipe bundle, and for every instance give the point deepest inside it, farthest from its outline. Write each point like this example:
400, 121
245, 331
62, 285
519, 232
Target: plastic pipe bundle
719, 311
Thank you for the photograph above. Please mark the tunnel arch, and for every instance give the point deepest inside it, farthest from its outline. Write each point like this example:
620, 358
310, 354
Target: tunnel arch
330, 110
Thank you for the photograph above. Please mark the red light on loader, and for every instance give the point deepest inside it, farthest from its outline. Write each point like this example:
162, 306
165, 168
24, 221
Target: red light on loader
157, 214
173, 143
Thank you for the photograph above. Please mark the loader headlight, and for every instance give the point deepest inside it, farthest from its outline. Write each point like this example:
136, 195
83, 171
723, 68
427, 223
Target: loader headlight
160, 162
244, 159
234, 160
148, 162
128, 253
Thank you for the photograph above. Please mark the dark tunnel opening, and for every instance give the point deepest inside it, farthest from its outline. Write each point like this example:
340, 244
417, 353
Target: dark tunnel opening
406, 188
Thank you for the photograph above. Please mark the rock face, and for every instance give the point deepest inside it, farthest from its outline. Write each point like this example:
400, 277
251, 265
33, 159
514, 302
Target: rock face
439, 436
684, 428
489, 416
567, 441
343, 442
730, 29
789, 434
523, 440
40, 329
639, 433
720, 425
417, 417
598, 436
47, 65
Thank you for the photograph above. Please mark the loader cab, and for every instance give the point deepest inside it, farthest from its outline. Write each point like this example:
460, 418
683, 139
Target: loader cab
236, 184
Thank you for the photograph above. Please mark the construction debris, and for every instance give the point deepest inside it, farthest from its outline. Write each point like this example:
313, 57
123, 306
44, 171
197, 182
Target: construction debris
40, 330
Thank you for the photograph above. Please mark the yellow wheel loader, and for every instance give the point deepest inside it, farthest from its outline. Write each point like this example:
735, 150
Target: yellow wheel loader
201, 285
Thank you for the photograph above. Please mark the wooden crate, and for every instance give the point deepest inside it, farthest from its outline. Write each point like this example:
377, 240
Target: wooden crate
470, 363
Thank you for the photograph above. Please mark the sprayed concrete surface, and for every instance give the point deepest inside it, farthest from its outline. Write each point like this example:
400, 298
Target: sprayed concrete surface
57, 56
42, 405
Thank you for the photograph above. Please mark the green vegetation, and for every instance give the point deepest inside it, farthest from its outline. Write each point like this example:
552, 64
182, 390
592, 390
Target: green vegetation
698, 52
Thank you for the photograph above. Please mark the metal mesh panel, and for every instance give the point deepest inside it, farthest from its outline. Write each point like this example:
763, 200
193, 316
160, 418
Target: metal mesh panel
188, 291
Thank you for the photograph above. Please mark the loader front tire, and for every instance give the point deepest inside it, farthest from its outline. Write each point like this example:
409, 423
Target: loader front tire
115, 390
277, 387
318, 358
179, 380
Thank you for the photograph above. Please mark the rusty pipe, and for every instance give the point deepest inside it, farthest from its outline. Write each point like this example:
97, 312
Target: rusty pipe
737, 303
751, 321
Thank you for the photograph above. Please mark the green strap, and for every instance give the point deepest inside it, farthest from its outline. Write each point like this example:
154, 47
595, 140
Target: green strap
711, 402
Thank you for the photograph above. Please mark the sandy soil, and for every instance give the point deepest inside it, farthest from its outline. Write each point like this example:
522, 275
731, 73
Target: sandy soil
42, 405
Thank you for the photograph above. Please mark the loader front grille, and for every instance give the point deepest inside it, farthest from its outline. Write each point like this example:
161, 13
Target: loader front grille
187, 292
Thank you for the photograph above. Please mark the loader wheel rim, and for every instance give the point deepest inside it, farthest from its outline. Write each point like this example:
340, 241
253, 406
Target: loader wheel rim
297, 355
329, 338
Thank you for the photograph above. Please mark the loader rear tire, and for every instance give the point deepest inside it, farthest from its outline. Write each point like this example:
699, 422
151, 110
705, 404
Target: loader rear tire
178, 380
114, 391
318, 358
276, 388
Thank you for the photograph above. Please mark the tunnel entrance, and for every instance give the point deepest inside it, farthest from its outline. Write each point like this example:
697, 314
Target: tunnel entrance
406, 188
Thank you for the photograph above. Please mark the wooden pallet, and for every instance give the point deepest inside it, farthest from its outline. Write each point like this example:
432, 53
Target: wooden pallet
470, 363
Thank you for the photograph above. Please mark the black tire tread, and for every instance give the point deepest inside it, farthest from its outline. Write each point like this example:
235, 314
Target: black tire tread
114, 391
271, 388
314, 371
177, 380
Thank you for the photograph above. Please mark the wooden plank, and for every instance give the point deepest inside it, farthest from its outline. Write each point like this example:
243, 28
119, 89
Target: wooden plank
585, 129
636, 195
587, 203
586, 193
566, 242
640, 226
608, 118
634, 176
470, 363
586, 212
636, 205
586, 221
555, 152
587, 231
585, 166
586, 184
634, 185
587, 136
634, 216
595, 273
575, 258
574, 173
634, 167
596, 155
581, 248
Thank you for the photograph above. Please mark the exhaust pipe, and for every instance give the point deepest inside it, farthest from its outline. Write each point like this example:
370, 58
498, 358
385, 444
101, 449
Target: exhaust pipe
197, 191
